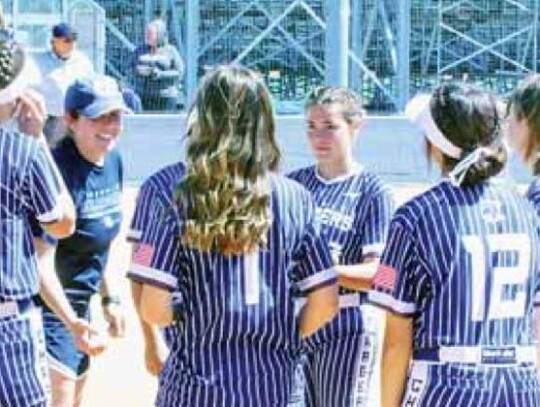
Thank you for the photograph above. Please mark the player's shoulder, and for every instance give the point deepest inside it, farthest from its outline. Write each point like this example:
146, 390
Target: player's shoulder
413, 210
301, 174
533, 192
65, 150
18, 148
371, 182
114, 158
165, 180
289, 193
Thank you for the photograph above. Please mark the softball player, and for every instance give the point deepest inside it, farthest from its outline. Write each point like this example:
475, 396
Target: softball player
240, 242
524, 129
29, 187
152, 205
354, 208
460, 270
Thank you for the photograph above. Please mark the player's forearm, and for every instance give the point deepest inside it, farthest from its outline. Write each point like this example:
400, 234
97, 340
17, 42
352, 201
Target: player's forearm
50, 289
320, 308
396, 356
156, 306
150, 333
109, 285
357, 276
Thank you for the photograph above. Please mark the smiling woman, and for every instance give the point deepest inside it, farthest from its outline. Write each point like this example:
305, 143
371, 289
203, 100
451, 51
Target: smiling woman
92, 171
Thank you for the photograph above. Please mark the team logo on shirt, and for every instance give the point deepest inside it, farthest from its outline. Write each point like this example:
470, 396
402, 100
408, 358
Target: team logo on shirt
332, 218
491, 211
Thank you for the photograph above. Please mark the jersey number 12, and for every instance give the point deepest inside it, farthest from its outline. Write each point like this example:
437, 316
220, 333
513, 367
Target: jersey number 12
482, 252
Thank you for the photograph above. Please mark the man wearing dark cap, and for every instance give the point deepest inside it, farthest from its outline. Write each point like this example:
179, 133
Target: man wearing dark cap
60, 67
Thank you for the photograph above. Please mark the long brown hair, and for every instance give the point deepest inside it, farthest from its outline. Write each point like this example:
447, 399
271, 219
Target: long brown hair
231, 149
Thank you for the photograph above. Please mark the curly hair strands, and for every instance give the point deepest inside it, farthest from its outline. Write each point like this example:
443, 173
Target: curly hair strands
349, 103
524, 103
230, 151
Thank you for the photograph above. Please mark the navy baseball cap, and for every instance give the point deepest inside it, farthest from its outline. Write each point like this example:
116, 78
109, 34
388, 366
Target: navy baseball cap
94, 96
64, 30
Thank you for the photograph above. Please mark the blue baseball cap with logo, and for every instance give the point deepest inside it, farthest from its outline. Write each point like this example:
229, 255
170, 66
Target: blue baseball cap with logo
94, 96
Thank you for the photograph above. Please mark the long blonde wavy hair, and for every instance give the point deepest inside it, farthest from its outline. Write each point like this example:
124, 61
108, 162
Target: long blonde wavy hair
231, 149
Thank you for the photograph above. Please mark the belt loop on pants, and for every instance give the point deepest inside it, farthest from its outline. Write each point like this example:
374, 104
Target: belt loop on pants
478, 355
15, 307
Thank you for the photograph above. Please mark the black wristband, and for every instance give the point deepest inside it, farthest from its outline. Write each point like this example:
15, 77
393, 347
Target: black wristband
110, 299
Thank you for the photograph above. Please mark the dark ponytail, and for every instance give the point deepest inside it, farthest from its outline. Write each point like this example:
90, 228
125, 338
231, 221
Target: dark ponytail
469, 118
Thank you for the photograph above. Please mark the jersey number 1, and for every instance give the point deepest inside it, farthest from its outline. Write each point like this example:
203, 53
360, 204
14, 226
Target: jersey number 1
502, 276
251, 278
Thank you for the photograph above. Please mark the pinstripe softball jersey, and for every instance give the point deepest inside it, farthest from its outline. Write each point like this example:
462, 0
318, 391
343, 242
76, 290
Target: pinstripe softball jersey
153, 201
28, 187
240, 334
533, 194
464, 263
354, 211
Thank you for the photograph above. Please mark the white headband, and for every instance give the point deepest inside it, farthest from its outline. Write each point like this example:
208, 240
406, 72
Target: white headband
418, 111
19, 84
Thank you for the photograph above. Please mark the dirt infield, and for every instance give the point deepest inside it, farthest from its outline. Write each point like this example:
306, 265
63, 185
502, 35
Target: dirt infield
118, 378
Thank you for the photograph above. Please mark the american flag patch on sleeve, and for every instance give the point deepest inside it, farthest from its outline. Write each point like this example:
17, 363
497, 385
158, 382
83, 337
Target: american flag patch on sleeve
143, 254
385, 277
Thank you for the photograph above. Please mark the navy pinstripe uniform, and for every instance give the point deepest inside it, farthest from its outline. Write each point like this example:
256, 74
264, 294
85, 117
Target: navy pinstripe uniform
28, 187
81, 258
153, 201
354, 211
240, 335
464, 264
533, 194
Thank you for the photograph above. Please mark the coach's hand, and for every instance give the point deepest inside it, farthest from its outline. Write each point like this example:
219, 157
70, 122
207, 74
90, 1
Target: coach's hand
31, 113
114, 316
87, 338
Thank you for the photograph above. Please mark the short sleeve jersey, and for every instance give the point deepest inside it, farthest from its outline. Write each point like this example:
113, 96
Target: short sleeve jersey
29, 188
463, 263
240, 317
153, 202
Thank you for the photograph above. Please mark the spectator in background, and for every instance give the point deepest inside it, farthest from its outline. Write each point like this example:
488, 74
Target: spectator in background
60, 66
158, 69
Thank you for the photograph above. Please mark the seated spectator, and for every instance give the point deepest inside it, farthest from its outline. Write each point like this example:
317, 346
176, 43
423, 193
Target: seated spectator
158, 69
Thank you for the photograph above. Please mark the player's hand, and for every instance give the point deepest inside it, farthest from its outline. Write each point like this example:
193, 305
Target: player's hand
87, 338
31, 113
155, 355
114, 316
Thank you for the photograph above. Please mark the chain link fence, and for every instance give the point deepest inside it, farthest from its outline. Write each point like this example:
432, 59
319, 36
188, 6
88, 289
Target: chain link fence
397, 48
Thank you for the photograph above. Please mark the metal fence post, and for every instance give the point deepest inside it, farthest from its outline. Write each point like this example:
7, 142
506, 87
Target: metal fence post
337, 42
404, 44
192, 48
